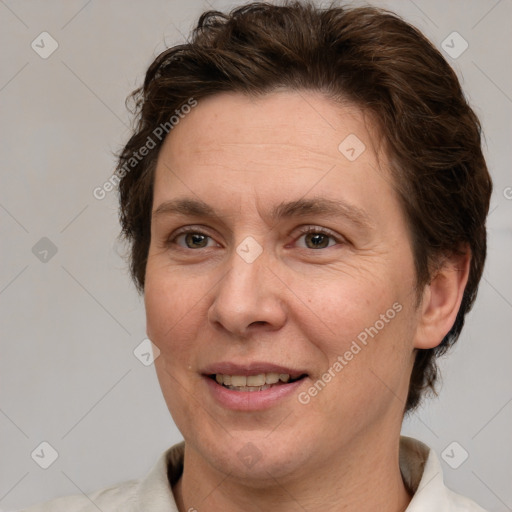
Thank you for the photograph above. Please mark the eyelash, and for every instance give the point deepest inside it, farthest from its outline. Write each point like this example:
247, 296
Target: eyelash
304, 231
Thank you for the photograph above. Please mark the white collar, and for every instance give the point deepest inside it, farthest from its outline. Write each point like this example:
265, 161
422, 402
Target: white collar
422, 472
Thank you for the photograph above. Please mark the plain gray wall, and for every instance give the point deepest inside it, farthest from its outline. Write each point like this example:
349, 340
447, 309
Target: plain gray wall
69, 325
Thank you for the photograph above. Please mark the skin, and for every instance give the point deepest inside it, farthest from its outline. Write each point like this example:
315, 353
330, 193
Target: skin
295, 305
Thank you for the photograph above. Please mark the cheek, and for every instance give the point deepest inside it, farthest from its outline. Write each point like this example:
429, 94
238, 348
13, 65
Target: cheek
172, 312
170, 317
178, 398
362, 330
341, 307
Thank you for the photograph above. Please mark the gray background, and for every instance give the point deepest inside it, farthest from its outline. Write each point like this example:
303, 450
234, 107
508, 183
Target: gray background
70, 324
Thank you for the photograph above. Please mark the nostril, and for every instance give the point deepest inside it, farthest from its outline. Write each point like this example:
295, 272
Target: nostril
259, 322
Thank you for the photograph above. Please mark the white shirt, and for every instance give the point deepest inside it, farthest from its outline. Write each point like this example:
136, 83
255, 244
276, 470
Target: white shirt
419, 465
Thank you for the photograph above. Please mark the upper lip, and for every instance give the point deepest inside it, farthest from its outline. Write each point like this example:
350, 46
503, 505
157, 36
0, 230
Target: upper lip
252, 368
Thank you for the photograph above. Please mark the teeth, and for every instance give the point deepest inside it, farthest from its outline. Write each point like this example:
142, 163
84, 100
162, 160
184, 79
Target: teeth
256, 380
248, 388
271, 378
251, 382
238, 380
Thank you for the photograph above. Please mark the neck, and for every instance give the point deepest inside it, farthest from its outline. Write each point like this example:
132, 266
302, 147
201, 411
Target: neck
357, 479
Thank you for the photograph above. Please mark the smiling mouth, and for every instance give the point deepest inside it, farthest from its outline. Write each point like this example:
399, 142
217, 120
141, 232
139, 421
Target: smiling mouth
249, 383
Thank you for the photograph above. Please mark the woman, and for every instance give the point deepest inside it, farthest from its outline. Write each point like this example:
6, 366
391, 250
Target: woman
305, 197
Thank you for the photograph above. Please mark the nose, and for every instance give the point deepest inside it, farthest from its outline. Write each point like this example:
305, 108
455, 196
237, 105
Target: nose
248, 298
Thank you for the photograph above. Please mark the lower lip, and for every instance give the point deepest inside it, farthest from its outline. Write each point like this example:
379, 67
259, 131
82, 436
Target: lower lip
251, 400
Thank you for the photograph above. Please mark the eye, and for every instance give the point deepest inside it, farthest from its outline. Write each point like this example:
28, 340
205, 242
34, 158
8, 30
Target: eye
318, 238
190, 238
312, 237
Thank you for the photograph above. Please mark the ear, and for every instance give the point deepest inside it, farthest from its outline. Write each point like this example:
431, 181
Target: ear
441, 300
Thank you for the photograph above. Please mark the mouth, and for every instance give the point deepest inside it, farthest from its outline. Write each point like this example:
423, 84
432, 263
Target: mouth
256, 382
252, 386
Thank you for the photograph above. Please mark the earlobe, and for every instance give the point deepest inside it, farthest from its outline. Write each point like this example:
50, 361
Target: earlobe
441, 300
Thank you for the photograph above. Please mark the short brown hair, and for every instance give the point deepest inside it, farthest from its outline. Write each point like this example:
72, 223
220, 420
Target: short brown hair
367, 56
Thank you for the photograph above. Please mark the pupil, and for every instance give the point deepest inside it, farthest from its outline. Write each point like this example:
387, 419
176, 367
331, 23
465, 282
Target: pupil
318, 240
195, 240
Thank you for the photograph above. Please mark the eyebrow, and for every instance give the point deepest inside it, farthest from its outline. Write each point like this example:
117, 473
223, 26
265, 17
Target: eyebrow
299, 208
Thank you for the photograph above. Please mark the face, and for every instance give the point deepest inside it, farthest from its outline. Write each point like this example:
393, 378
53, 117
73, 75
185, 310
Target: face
279, 284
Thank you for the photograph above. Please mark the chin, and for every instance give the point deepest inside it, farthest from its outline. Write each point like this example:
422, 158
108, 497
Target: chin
255, 458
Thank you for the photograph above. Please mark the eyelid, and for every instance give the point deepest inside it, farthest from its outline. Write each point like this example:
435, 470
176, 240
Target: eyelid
312, 228
191, 228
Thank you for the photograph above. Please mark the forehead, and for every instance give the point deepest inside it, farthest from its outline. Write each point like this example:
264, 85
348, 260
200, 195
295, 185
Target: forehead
285, 123
280, 146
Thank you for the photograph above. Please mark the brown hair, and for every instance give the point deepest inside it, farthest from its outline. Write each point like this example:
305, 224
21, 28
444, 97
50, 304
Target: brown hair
367, 56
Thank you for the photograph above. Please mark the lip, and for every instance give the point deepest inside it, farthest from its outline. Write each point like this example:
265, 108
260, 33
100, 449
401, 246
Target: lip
246, 401
253, 368
251, 400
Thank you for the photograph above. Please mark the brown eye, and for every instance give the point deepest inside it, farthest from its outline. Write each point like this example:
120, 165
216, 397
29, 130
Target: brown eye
194, 240
316, 240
